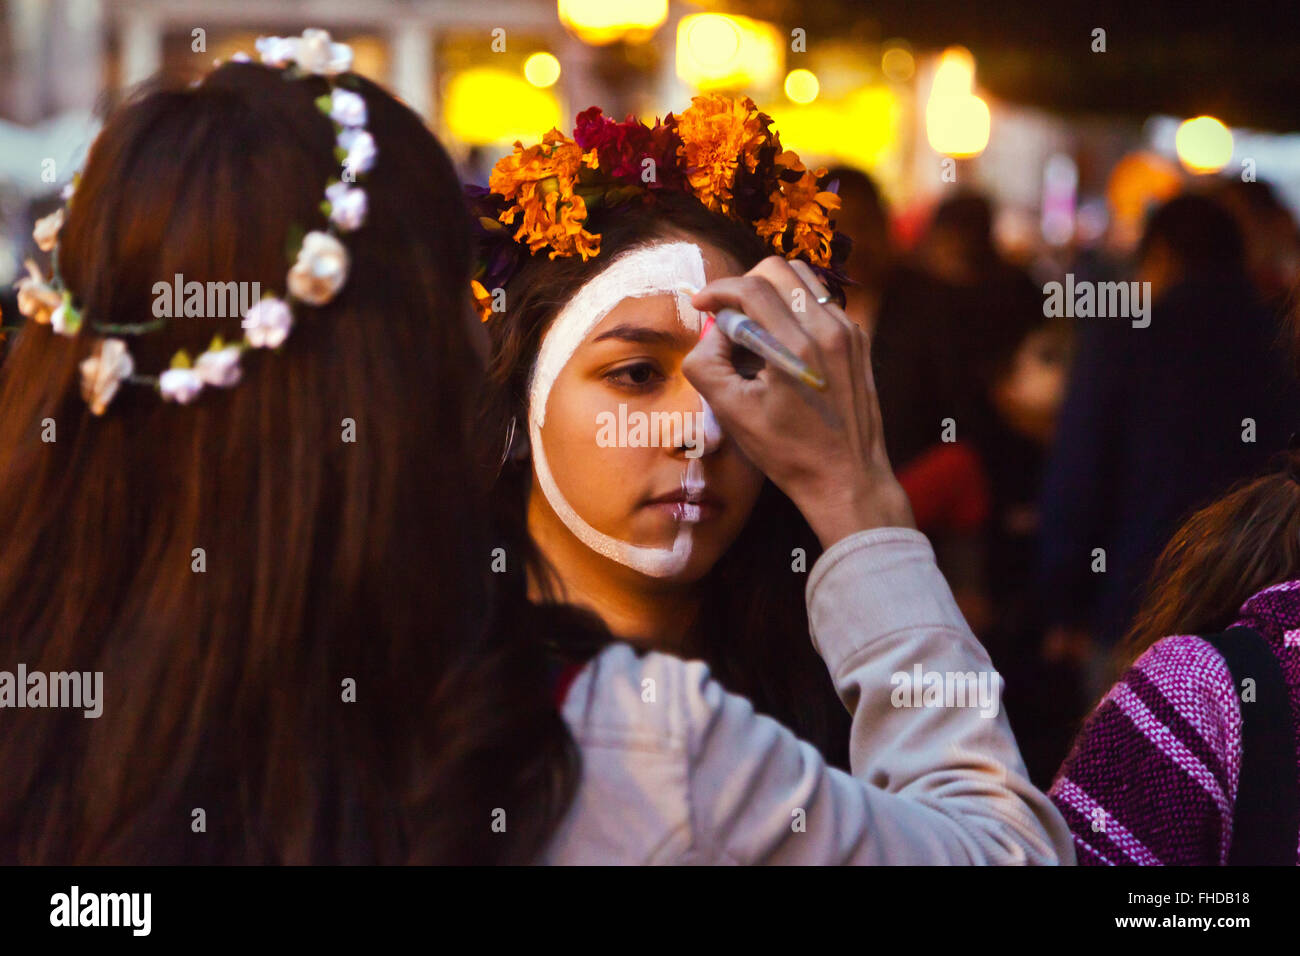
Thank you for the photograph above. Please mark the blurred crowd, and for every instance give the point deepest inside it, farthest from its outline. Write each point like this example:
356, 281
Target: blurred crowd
1049, 458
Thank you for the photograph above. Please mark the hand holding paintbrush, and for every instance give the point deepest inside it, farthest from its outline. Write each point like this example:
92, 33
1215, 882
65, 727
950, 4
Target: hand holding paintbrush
822, 445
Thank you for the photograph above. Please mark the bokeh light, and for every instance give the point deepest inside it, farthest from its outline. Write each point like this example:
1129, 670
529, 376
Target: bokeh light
957, 122
485, 105
801, 86
897, 63
542, 70
715, 51
601, 22
1204, 144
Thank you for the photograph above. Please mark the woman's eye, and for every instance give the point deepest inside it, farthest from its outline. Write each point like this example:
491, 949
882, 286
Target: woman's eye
638, 375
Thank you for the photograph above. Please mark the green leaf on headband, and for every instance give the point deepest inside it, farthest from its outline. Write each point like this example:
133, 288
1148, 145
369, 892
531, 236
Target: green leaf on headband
340, 153
324, 104
181, 360
71, 317
622, 194
217, 344
326, 207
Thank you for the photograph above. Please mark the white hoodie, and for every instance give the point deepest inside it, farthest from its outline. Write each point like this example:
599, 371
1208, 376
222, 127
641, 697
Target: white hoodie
678, 770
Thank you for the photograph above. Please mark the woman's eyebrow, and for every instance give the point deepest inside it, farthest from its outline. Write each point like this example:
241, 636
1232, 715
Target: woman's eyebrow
642, 335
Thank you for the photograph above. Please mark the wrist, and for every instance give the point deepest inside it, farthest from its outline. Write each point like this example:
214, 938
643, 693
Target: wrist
835, 515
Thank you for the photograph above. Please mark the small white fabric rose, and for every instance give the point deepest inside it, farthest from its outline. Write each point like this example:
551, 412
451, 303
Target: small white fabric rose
59, 319
347, 206
340, 58
321, 269
277, 51
180, 385
66, 193
65, 320
240, 57
267, 323
316, 54
219, 368
360, 146
347, 108
47, 229
103, 372
36, 299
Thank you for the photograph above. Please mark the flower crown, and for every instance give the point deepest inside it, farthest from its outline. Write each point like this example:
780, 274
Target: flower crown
721, 150
317, 275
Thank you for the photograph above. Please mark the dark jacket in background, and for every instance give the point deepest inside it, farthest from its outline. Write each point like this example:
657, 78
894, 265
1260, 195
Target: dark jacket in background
1152, 429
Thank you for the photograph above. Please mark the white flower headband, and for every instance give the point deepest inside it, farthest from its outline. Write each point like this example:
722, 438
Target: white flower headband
315, 278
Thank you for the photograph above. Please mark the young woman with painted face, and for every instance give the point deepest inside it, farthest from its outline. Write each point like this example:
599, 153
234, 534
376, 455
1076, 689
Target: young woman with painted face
677, 770
602, 518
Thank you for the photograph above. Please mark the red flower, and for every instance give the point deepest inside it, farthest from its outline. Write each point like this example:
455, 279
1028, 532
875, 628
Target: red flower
624, 147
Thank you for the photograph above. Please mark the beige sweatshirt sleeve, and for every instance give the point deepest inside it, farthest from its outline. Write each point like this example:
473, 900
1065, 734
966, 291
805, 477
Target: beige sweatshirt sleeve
933, 781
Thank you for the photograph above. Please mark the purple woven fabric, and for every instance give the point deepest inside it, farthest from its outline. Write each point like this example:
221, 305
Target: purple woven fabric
1152, 777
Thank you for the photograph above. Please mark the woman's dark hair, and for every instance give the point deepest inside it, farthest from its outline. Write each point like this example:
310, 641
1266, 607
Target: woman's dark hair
1224, 553
753, 626
327, 567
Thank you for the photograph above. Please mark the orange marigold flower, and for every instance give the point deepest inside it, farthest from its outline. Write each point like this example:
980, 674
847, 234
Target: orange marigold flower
718, 133
541, 181
482, 299
802, 205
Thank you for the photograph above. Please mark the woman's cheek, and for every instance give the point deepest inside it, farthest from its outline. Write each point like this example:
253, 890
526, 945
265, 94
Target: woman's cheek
600, 483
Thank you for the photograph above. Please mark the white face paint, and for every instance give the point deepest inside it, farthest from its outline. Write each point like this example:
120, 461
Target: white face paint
664, 267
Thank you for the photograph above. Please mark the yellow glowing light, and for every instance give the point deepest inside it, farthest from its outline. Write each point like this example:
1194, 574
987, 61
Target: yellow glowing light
955, 75
713, 40
601, 22
542, 70
860, 129
802, 86
1204, 144
956, 120
717, 51
957, 125
486, 105
897, 64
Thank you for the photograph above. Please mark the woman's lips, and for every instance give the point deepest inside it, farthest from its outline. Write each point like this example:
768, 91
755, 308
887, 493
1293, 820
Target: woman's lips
680, 506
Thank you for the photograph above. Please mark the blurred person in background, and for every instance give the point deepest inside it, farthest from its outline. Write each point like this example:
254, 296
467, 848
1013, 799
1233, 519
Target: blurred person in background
871, 264
1023, 376
1271, 238
1157, 420
910, 315
950, 320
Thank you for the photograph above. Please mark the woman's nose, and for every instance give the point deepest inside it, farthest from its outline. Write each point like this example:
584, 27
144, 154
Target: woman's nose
701, 433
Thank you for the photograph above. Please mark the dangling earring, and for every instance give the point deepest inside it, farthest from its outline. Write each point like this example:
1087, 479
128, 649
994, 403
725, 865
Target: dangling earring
514, 450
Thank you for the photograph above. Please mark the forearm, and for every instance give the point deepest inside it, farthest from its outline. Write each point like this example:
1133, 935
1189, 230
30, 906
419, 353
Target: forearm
928, 727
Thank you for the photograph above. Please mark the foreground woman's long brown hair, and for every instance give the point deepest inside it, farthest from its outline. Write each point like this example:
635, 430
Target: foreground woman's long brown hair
323, 560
